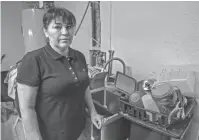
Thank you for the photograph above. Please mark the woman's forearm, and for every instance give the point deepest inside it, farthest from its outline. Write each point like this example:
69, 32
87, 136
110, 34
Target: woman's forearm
30, 123
27, 99
89, 101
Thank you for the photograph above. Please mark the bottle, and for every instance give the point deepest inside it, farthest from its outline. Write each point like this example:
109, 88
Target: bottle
150, 104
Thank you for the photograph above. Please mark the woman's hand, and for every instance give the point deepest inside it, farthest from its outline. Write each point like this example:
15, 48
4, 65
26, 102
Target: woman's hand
97, 119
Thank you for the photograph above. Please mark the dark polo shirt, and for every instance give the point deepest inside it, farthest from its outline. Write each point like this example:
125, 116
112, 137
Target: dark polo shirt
62, 82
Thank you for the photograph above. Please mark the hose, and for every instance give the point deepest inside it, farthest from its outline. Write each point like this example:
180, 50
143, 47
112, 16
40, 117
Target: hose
82, 18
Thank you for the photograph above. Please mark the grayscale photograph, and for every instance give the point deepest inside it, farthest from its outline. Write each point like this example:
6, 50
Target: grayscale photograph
99, 70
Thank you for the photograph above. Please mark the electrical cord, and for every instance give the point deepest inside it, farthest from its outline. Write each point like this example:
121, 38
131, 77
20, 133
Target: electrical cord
82, 21
82, 18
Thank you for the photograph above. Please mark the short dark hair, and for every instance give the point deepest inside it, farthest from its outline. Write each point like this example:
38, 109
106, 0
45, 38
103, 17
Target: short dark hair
54, 12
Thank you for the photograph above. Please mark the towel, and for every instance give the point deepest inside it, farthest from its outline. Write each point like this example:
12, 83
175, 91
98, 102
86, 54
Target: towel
11, 80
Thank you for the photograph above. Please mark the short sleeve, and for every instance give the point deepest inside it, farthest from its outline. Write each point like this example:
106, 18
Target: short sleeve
28, 71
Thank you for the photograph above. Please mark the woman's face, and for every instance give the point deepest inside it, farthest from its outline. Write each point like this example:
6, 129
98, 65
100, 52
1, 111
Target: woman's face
60, 33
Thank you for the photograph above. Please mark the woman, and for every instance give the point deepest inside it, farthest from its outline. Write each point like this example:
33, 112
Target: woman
53, 84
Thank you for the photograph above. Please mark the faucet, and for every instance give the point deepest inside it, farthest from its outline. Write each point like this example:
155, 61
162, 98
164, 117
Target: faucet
110, 68
109, 73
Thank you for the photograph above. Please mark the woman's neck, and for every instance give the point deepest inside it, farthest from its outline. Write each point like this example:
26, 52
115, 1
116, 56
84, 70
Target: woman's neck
64, 52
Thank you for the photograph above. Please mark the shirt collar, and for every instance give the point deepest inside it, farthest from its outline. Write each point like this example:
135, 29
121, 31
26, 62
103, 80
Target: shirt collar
55, 55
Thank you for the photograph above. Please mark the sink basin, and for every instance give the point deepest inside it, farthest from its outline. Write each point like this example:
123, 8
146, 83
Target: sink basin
108, 98
114, 127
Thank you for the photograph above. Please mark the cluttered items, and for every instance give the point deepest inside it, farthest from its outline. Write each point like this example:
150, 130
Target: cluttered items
97, 77
159, 106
